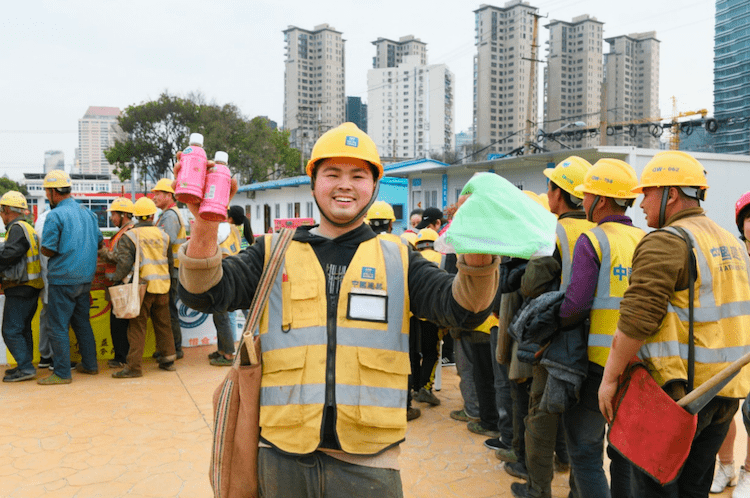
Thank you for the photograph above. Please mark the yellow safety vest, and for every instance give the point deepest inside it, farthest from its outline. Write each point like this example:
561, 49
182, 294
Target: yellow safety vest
154, 259
371, 355
434, 256
110, 268
231, 244
568, 230
181, 237
33, 271
721, 315
487, 325
614, 243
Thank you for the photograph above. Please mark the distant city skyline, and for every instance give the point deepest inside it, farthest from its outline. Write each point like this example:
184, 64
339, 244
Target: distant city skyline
65, 58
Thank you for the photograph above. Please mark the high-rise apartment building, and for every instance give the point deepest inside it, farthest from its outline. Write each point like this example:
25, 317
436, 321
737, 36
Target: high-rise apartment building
411, 109
356, 112
53, 159
631, 75
505, 96
314, 99
573, 80
97, 131
731, 76
391, 53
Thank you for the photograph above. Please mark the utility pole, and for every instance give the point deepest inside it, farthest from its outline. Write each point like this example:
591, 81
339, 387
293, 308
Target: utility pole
532, 80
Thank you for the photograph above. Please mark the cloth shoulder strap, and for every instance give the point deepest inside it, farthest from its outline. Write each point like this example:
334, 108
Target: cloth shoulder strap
281, 241
692, 277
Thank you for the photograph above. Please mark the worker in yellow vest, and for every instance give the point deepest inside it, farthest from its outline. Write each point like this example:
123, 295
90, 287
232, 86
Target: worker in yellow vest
602, 259
121, 216
334, 333
654, 312
22, 281
155, 263
172, 223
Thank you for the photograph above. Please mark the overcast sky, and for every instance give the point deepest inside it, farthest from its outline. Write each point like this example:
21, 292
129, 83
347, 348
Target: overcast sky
58, 57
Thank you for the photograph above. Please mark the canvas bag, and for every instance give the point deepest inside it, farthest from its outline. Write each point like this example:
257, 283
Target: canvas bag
127, 298
233, 471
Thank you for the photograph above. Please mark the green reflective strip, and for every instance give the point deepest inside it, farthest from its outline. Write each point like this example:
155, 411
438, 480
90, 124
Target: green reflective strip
300, 394
155, 276
147, 261
666, 349
567, 260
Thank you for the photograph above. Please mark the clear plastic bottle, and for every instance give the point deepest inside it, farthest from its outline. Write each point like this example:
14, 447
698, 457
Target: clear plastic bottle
217, 189
192, 177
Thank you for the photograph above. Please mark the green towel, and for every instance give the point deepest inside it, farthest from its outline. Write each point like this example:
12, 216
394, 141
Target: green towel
498, 218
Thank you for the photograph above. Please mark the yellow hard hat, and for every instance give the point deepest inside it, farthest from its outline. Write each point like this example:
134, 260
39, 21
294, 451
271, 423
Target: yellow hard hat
544, 200
163, 185
534, 197
410, 237
569, 174
672, 168
14, 199
345, 140
122, 205
144, 207
610, 178
381, 210
427, 235
56, 178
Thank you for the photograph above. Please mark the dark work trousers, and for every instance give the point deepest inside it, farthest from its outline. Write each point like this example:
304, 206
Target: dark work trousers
519, 392
448, 347
118, 328
428, 335
318, 475
698, 471
174, 315
414, 356
156, 307
484, 382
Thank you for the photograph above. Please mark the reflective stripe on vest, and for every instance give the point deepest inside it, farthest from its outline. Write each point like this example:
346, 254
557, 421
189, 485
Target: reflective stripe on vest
568, 230
154, 262
32, 275
231, 245
181, 237
614, 272
371, 358
722, 312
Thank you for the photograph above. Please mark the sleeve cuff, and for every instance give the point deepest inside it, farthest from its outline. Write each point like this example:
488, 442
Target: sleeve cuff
199, 275
474, 287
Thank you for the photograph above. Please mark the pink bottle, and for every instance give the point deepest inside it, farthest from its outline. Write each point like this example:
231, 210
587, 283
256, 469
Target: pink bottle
216, 192
192, 177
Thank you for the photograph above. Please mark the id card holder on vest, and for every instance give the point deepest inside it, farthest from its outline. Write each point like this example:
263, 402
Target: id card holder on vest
368, 306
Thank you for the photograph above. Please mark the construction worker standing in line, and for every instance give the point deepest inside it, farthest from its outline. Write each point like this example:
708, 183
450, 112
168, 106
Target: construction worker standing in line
172, 223
654, 313
121, 215
22, 287
380, 217
229, 244
155, 263
335, 359
543, 435
602, 260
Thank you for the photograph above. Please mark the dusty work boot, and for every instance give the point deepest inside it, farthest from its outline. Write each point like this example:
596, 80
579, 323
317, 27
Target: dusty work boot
519, 490
167, 365
517, 469
506, 455
53, 380
476, 428
81, 369
461, 416
412, 413
724, 476
126, 373
426, 396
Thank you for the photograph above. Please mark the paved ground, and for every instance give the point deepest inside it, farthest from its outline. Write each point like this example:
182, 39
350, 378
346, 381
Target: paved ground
101, 437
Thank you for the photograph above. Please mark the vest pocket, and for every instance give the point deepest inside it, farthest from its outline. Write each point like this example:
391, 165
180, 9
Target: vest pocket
305, 310
282, 392
382, 390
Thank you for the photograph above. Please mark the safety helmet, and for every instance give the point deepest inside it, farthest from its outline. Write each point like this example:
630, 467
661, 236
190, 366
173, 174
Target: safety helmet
569, 174
410, 237
56, 178
121, 205
610, 178
544, 200
14, 199
426, 238
740, 213
534, 197
163, 185
672, 168
381, 210
345, 140
144, 207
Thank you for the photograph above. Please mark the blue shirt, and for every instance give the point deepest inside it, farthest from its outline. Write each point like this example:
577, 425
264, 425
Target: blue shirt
73, 233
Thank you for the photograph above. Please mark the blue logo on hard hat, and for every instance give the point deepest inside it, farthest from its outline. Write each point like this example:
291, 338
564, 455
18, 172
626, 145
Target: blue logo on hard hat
368, 273
352, 141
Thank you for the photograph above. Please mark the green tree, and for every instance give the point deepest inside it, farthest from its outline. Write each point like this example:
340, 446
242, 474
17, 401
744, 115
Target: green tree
157, 130
6, 184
